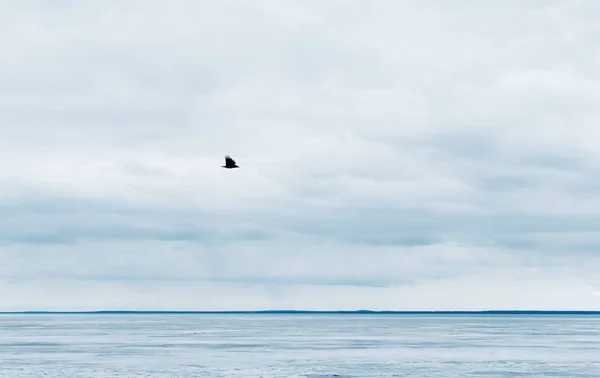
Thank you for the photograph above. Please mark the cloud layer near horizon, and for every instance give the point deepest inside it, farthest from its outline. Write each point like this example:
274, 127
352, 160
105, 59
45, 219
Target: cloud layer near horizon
395, 155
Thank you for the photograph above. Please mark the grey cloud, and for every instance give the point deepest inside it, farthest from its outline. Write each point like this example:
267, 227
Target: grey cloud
392, 154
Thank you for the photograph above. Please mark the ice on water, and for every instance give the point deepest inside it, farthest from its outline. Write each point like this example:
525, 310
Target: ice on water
299, 346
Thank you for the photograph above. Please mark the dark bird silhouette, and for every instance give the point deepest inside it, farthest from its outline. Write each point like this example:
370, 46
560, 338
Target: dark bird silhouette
229, 163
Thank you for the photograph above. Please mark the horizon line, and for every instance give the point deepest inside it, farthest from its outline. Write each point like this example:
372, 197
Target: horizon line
332, 312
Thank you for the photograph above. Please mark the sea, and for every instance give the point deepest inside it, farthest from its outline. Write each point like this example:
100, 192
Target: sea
299, 345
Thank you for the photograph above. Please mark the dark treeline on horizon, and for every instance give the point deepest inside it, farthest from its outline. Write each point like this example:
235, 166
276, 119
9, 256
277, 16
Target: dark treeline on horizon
291, 312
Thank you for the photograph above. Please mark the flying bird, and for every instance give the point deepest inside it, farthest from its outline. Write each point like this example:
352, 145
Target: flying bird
229, 163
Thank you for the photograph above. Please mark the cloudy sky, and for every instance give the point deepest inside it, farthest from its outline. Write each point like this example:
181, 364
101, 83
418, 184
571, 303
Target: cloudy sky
400, 155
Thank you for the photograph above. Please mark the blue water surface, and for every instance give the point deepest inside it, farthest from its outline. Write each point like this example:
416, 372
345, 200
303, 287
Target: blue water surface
299, 345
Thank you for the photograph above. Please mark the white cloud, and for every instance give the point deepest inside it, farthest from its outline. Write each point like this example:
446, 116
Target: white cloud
401, 155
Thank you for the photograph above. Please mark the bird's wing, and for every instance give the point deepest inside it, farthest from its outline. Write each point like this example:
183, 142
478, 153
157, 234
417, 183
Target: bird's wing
228, 159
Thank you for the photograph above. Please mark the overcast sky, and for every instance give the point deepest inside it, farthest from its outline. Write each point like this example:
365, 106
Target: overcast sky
399, 155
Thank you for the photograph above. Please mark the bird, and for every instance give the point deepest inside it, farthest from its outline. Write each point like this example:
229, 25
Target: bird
229, 163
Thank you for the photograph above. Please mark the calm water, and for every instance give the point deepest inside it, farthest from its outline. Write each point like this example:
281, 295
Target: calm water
299, 346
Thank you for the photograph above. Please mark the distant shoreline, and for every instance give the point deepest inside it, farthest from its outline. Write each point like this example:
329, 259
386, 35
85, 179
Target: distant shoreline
305, 312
